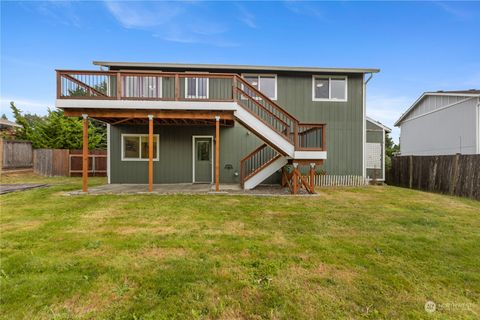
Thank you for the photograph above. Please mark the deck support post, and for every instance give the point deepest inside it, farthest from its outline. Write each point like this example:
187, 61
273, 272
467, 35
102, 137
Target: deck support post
295, 178
150, 153
85, 154
312, 177
217, 153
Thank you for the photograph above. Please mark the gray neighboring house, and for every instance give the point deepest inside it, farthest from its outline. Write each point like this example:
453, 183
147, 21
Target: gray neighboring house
375, 149
442, 123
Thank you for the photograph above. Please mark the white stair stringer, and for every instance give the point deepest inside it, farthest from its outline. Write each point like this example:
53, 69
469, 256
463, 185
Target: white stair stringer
264, 173
272, 137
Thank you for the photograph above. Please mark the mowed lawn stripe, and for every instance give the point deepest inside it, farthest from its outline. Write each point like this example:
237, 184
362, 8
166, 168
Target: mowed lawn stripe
348, 253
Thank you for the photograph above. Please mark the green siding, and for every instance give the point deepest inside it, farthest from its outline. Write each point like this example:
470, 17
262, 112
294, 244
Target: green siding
344, 133
344, 119
175, 157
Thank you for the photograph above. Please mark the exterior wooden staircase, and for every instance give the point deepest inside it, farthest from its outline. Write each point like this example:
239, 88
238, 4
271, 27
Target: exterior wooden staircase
286, 139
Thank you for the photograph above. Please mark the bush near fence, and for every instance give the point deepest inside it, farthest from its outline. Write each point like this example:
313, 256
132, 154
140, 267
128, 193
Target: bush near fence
457, 175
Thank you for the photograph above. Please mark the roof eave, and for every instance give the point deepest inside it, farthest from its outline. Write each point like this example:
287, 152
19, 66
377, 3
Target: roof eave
378, 123
399, 121
234, 67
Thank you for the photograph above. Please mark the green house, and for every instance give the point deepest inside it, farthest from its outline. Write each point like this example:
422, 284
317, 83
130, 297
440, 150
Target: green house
229, 124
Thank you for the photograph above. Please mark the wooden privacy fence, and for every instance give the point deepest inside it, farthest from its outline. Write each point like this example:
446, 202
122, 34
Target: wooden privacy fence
64, 162
16, 154
97, 163
51, 162
457, 175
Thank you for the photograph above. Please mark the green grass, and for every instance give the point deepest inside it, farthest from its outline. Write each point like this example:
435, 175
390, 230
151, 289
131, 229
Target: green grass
376, 252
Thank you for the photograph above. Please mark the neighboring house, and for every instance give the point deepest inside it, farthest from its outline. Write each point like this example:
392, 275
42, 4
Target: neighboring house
375, 149
221, 123
441, 123
8, 128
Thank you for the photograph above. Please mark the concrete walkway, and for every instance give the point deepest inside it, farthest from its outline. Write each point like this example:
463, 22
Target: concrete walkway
7, 188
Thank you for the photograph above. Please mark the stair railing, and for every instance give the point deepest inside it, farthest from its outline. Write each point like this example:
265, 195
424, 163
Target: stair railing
255, 161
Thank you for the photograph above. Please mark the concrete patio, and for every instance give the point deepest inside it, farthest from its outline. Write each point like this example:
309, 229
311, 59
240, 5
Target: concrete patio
185, 188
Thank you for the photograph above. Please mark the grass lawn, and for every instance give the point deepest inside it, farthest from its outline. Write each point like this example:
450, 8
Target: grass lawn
376, 252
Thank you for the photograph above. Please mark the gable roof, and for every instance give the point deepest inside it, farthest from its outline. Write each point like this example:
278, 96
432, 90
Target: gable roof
462, 93
378, 123
231, 67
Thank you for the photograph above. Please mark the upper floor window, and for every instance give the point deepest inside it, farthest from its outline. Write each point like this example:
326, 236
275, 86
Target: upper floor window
329, 88
196, 88
265, 83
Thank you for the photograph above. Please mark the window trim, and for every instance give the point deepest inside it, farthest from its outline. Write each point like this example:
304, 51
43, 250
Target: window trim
212, 155
329, 77
258, 75
196, 96
139, 135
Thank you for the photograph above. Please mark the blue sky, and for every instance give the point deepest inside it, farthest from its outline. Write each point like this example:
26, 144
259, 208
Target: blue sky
419, 46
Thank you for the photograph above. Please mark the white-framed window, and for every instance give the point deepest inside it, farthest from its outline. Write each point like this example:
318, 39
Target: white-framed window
142, 87
135, 147
265, 83
329, 88
196, 88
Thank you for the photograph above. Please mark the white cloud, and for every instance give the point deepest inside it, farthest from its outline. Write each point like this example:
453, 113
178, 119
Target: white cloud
304, 8
58, 12
140, 15
172, 21
455, 11
246, 16
26, 105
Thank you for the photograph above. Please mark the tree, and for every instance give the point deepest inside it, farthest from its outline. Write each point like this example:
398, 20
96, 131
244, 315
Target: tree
57, 131
390, 147
390, 150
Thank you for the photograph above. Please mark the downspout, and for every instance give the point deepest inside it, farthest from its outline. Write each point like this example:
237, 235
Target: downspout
364, 129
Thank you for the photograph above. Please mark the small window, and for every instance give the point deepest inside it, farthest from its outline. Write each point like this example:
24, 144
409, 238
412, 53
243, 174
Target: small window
203, 151
196, 88
329, 88
267, 84
135, 147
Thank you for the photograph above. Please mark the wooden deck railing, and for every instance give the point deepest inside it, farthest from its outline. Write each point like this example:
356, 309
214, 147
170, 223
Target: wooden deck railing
189, 86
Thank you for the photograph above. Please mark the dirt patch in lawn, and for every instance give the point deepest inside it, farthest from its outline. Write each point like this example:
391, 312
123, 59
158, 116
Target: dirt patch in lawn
97, 300
161, 253
17, 226
129, 230
321, 271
